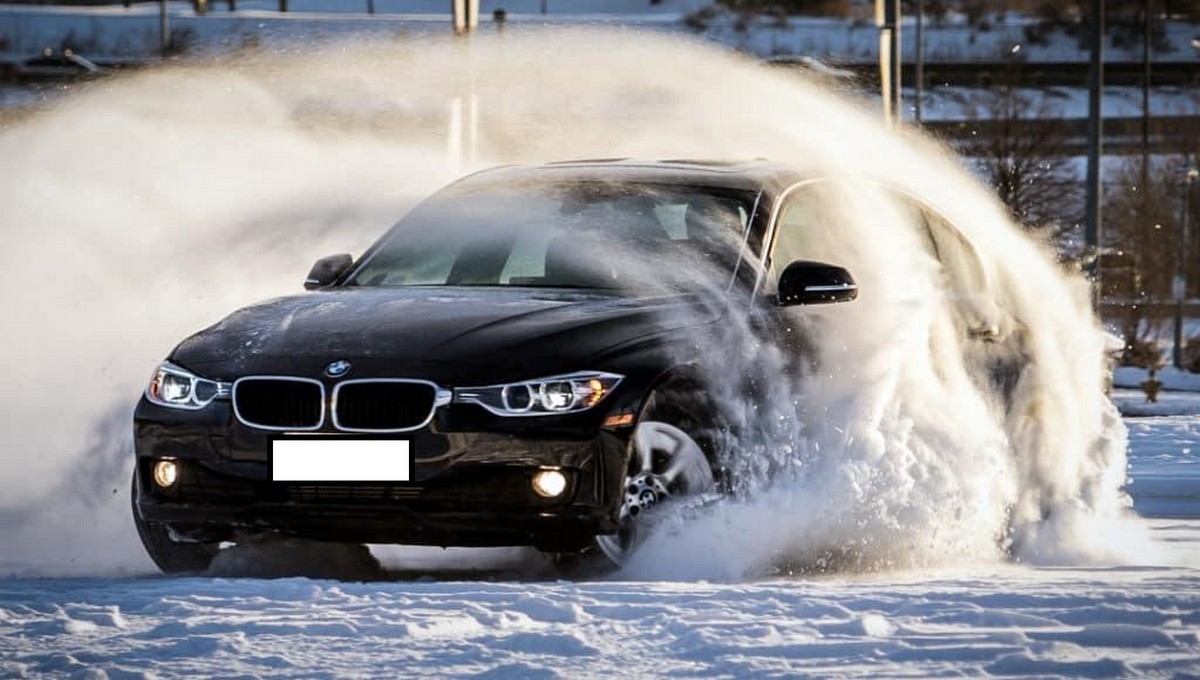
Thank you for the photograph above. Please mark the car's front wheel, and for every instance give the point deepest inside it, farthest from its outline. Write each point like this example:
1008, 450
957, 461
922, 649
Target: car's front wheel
172, 557
672, 460
667, 464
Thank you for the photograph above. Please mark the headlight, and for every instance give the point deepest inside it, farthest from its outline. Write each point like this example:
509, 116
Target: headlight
545, 396
175, 387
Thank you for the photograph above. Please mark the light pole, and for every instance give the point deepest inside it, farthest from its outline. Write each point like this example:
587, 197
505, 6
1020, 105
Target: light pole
464, 15
919, 75
164, 28
1095, 156
1144, 188
887, 18
1179, 285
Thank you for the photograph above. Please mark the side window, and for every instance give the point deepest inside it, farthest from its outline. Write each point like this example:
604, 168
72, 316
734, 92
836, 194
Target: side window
964, 270
965, 278
961, 266
801, 217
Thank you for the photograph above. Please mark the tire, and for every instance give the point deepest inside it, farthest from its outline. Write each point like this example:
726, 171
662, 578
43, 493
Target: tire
171, 557
672, 457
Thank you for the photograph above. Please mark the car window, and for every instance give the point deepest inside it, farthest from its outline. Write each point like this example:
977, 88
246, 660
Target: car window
686, 220
597, 235
961, 263
963, 274
962, 269
527, 260
806, 212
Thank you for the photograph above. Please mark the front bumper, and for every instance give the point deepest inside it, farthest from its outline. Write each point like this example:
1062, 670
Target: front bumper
469, 488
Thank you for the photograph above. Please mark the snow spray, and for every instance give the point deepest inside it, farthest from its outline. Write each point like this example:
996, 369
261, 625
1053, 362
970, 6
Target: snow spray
144, 207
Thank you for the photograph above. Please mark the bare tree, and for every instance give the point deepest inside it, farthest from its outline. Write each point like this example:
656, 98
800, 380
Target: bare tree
1146, 226
1021, 149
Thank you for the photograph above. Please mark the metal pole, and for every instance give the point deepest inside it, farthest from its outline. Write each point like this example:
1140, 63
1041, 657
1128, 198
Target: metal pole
1180, 282
1145, 89
465, 15
887, 18
1095, 139
164, 28
885, 75
897, 105
1143, 222
920, 72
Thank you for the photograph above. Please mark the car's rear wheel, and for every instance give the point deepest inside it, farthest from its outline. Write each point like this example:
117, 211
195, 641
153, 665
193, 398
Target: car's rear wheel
172, 557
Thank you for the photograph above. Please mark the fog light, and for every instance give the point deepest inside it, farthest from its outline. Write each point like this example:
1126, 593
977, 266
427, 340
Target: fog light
549, 483
166, 472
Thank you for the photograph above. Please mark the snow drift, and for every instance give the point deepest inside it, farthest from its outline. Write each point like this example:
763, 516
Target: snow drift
144, 207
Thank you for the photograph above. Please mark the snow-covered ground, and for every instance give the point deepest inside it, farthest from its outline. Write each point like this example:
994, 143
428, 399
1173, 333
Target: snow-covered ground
117, 32
108, 33
966, 103
953, 41
435, 619
1171, 378
1000, 621
1132, 402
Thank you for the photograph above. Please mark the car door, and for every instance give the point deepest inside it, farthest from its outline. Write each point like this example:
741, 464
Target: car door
803, 214
991, 335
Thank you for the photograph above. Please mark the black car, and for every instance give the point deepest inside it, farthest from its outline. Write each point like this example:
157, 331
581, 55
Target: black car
514, 363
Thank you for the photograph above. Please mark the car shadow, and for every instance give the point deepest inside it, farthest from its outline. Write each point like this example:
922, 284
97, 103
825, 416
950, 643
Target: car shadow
276, 558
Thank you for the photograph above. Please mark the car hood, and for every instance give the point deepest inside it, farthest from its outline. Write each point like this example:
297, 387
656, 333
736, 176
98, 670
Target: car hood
451, 334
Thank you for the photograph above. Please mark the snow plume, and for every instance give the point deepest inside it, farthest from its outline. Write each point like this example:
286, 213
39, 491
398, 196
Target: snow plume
137, 212
144, 207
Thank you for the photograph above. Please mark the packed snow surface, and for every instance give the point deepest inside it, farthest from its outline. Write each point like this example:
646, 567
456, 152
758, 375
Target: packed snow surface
1005, 621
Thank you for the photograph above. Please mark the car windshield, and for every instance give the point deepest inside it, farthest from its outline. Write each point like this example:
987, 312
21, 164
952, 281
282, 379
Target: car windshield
577, 235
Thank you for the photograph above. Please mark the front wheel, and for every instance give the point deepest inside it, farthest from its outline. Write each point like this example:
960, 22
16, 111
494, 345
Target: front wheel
172, 557
667, 464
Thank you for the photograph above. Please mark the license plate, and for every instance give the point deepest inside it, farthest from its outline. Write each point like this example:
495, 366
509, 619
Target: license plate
335, 459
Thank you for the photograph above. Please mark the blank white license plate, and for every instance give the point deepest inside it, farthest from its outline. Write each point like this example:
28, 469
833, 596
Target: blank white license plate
330, 459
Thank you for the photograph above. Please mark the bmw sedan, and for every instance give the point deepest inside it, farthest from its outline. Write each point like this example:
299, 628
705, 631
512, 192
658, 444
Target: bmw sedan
512, 364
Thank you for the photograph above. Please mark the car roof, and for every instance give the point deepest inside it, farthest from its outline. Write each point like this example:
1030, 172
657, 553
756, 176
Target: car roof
757, 174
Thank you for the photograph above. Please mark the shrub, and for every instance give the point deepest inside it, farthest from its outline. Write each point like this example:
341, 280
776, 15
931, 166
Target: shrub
698, 20
1142, 354
1191, 354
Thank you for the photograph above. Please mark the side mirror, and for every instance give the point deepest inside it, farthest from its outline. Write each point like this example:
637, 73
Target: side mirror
327, 270
815, 283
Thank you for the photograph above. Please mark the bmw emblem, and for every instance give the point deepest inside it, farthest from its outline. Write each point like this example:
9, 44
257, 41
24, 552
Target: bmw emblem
337, 369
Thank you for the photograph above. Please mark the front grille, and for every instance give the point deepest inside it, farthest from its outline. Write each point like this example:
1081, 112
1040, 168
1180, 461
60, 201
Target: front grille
383, 405
279, 403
